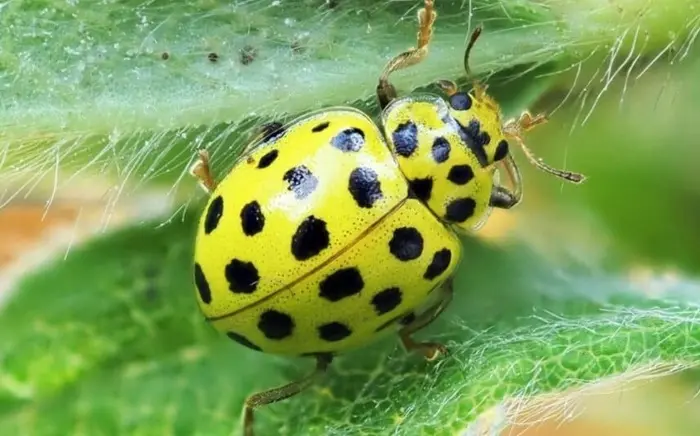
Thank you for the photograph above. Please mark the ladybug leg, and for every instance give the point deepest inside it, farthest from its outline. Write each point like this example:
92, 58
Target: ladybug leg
201, 170
502, 198
516, 128
528, 122
426, 18
447, 86
429, 350
254, 401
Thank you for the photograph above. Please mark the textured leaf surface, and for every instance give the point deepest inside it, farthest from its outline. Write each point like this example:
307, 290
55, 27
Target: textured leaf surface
109, 341
85, 91
115, 345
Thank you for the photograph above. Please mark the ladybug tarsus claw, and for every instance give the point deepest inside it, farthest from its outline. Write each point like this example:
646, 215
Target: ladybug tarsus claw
434, 351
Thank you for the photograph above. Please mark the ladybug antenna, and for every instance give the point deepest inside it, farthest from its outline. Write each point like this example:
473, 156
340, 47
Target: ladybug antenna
475, 35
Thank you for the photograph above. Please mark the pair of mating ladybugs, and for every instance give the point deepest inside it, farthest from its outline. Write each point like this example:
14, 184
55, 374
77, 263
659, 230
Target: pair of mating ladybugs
345, 229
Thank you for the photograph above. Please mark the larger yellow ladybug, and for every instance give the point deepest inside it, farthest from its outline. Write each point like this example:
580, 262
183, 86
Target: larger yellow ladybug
331, 231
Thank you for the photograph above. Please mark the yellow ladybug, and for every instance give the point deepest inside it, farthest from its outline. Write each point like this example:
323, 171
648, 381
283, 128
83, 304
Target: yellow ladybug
331, 231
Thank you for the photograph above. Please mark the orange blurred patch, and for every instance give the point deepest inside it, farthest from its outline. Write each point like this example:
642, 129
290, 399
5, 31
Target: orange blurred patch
32, 233
498, 226
26, 224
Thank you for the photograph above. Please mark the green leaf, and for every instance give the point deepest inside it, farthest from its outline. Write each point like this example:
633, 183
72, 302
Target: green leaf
85, 91
638, 150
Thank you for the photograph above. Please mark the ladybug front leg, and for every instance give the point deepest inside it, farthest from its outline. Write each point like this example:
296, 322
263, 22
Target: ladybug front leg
426, 18
202, 171
429, 350
254, 401
526, 122
502, 198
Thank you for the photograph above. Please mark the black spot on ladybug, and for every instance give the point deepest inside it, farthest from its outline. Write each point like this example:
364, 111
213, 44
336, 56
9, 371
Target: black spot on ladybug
365, 187
406, 243
474, 129
475, 140
405, 138
276, 325
272, 131
422, 188
441, 260
334, 331
252, 219
408, 318
460, 101
386, 300
202, 284
213, 57
243, 341
440, 149
321, 127
165, 55
268, 158
460, 174
501, 150
310, 238
341, 284
242, 277
460, 210
214, 213
301, 181
349, 140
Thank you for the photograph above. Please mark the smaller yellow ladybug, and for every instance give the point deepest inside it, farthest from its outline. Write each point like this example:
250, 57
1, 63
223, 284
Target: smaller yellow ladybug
332, 231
